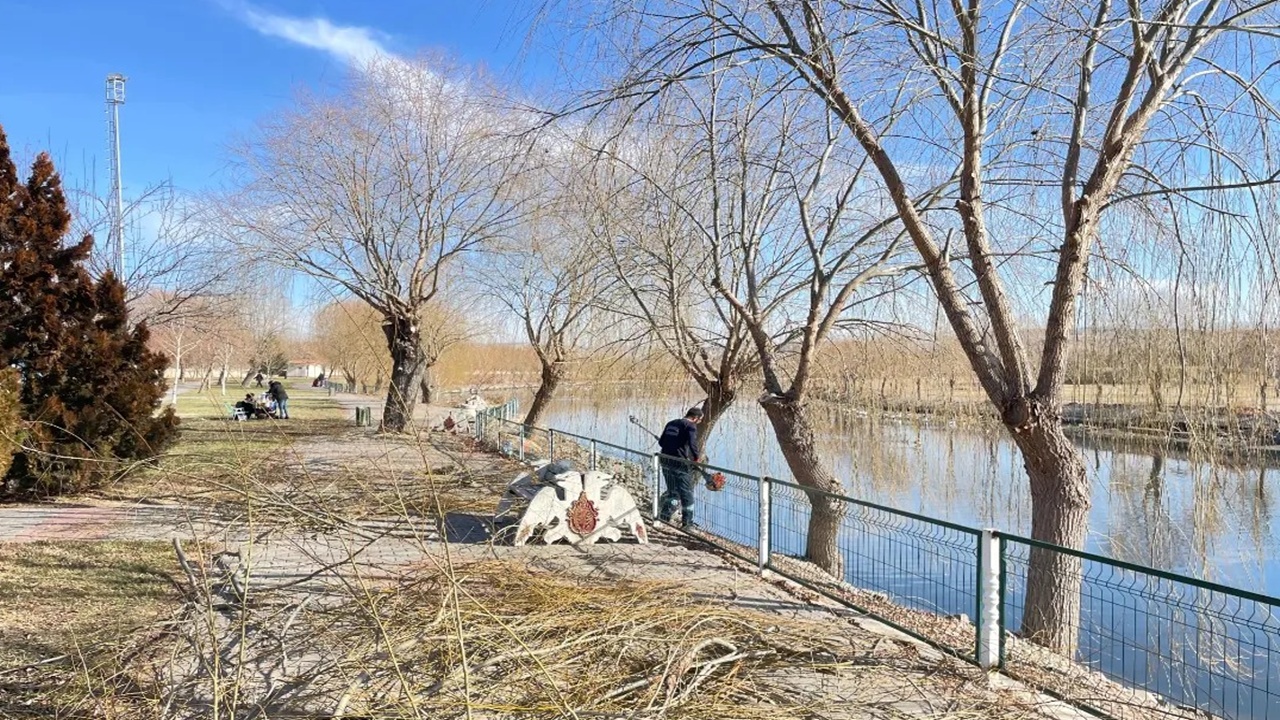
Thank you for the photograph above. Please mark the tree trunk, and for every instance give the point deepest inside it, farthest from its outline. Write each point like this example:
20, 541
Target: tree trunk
552, 374
179, 371
720, 397
796, 439
222, 378
1059, 515
426, 385
405, 345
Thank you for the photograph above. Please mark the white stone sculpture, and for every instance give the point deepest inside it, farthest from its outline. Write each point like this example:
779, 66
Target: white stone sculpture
472, 406
578, 507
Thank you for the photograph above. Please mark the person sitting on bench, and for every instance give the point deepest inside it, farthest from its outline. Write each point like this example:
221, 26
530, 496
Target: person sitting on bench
245, 406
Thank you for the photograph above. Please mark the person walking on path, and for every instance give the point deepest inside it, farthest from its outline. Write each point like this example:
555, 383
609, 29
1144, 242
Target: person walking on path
277, 392
679, 445
258, 379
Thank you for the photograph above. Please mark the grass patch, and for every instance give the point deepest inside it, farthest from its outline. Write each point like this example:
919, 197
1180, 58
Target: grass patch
215, 456
81, 609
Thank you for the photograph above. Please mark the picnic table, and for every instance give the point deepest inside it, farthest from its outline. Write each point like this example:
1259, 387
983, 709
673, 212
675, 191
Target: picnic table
581, 507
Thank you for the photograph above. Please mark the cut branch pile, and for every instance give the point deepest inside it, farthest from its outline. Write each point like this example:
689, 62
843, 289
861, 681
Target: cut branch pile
495, 640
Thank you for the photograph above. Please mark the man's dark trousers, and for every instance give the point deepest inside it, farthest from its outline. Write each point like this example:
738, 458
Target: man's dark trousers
678, 475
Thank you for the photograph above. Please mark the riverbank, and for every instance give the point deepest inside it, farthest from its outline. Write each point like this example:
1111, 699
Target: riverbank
325, 569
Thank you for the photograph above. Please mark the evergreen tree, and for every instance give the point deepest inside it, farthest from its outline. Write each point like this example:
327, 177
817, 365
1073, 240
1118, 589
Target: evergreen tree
89, 388
10, 418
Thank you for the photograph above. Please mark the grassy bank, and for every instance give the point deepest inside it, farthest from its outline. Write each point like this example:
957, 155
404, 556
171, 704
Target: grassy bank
75, 615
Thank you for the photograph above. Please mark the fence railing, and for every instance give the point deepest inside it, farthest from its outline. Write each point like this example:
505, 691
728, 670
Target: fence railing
1147, 640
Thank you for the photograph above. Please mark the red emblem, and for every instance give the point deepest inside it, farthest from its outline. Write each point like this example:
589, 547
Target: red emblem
582, 516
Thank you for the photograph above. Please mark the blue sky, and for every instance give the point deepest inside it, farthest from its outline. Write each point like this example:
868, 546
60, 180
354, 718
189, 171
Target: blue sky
201, 72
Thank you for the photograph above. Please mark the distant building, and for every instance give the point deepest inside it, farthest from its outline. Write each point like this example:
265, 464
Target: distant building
306, 368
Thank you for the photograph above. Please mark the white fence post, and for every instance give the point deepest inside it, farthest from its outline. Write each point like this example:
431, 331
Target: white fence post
522, 436
657, 483
594, 461
762, 558
989, 625
551, 444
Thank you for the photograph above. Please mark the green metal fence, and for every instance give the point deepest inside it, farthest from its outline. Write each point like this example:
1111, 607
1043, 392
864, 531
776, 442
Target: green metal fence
1144, 638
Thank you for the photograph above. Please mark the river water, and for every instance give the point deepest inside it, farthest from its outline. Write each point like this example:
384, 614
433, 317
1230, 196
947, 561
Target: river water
1210, 520
1213, 520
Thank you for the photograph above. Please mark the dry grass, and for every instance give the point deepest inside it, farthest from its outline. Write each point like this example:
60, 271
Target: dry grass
73, 617
493, 639
216, 458
498, 640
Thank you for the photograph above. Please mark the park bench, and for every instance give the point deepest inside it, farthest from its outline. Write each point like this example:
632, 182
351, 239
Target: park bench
581, 507
235, 413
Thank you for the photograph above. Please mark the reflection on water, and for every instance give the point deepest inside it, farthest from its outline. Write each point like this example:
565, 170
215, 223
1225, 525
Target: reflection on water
1196, 517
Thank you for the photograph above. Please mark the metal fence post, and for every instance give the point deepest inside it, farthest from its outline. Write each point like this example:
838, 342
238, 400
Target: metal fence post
762, 557
523, 435
989, 600
594, 461
551, 444
657, 482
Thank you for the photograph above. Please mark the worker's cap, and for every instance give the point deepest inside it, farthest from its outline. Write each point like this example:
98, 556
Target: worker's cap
694, 412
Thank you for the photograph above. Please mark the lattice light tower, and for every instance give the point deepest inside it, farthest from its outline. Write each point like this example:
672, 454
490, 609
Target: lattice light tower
115, 98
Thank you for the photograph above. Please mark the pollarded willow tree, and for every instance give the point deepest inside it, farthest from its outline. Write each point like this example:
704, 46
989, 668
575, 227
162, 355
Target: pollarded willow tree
551, 279
1052, 113
790, 240
644, 239
549, 288
348, 336
376, 190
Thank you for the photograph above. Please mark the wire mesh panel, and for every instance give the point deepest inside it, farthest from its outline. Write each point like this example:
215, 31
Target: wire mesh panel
491, 422
730, 514
632, 468
917, 573
491, 427
574, 448
1194, 644
510, 437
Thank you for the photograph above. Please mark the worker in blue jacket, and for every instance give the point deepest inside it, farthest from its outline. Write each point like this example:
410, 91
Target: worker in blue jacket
679, 445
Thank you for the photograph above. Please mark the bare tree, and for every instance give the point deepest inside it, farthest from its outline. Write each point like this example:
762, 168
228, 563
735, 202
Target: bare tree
374, 191
1051, 113
788, 237
177, 268
645, 239
230, 335
444, 326
548, 281
348, 334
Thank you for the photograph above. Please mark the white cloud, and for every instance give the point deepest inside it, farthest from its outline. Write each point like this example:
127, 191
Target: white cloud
351, 44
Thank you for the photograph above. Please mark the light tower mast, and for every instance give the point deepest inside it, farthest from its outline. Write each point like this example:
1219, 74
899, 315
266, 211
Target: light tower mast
115, 98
